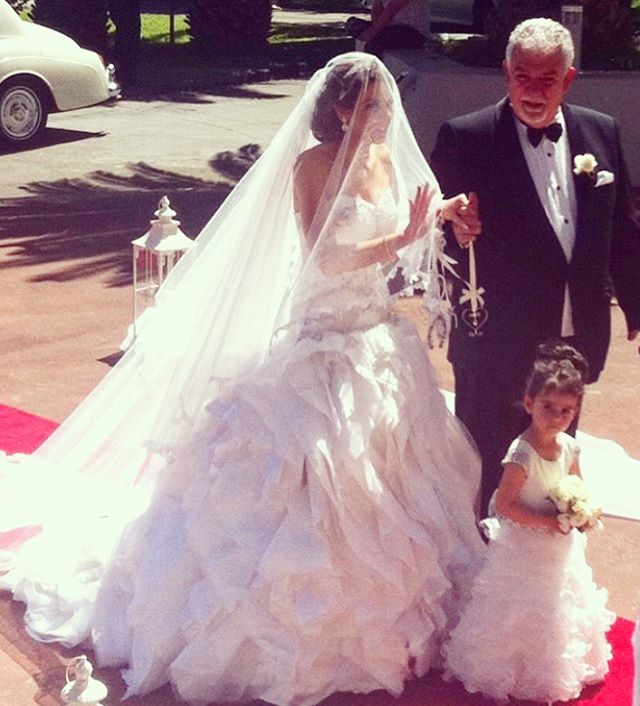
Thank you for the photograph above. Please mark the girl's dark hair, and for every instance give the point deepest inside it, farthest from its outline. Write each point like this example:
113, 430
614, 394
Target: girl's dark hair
558, 367
342, 88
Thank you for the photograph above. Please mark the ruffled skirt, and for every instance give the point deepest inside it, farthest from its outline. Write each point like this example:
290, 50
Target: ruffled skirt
535, 627
314, 534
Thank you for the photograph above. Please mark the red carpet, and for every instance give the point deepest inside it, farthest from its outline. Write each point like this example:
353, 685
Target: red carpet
22, 432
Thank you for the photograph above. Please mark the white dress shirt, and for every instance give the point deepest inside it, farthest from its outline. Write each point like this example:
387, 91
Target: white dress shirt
550, 167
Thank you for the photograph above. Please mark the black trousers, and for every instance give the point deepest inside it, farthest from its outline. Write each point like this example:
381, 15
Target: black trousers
488, 403
390, 37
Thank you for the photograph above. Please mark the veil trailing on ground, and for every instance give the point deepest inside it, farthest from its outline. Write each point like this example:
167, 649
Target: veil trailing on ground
254, 279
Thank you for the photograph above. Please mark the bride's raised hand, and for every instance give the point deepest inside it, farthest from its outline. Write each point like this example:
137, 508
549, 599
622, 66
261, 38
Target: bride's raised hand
418, 209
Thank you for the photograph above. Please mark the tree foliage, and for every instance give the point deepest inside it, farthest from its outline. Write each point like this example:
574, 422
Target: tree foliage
222, 25
82, 20
608, 25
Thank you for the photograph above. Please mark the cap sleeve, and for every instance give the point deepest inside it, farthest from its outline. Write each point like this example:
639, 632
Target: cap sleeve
521, 453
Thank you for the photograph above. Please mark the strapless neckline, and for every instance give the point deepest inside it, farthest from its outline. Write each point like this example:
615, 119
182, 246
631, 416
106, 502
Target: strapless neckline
384, 195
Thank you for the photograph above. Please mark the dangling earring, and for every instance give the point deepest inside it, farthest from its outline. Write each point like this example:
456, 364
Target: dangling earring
344, 124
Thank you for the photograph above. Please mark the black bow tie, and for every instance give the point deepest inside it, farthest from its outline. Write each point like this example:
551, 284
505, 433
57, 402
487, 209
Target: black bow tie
552, 131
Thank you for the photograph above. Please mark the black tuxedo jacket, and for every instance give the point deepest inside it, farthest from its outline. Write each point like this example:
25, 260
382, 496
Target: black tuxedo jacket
519, 260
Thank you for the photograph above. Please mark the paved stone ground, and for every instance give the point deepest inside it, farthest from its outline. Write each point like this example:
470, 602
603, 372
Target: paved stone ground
68, 210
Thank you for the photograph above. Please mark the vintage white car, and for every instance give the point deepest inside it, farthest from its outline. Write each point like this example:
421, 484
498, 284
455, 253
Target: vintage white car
42, 72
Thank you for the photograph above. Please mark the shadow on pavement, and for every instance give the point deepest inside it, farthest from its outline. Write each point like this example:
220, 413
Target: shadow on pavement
201, 96
84, 227
51, 136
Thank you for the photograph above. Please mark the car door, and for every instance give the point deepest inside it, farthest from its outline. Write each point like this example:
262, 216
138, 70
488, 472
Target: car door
452, 11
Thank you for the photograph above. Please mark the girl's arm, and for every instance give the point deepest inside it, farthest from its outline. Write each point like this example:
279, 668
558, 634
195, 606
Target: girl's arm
508, 501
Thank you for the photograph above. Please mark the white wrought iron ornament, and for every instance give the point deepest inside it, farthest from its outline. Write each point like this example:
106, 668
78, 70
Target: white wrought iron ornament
475, 314
83, 690
436, 295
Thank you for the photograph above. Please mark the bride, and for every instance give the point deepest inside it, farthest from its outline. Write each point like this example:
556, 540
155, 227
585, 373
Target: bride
267, 497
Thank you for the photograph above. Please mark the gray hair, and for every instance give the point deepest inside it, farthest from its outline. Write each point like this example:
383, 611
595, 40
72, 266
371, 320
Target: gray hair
543, 35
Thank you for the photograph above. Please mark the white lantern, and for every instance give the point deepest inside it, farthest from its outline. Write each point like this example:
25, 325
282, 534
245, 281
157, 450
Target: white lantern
83, 690
154, 256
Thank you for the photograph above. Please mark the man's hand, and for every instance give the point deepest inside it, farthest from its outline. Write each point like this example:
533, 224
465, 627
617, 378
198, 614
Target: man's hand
464, 214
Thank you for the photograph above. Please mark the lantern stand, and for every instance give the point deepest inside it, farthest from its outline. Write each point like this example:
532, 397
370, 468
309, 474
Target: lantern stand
154, 256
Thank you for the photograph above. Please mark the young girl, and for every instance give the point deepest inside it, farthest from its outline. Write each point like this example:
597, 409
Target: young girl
535, 624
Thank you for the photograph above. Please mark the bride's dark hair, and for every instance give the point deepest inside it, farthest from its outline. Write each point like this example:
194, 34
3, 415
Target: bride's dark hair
342, 88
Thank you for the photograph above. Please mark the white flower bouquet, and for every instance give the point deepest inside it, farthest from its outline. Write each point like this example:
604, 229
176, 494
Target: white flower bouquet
575, 507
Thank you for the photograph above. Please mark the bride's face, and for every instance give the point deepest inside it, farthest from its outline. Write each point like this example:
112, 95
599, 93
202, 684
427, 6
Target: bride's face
371, 116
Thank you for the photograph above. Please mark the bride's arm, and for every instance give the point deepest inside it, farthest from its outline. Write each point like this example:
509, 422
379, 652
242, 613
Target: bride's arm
345, 258
310, 179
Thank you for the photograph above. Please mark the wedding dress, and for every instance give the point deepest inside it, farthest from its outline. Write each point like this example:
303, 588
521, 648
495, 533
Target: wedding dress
267, 497
314, 538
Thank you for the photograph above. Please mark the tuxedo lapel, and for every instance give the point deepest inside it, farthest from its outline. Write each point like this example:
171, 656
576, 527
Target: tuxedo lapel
583, 187
513, 166
518, 187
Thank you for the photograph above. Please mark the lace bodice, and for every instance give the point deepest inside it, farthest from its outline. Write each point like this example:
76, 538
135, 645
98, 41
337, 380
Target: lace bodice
360, 298
542, 474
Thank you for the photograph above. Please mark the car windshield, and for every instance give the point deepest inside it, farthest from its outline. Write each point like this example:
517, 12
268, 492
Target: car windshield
10, 23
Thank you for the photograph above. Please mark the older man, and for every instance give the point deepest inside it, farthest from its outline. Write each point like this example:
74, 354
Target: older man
555, 230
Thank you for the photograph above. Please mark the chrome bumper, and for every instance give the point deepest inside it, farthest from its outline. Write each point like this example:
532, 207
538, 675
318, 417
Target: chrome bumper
113, 85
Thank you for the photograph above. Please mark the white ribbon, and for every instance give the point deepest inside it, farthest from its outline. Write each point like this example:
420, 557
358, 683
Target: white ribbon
472, 293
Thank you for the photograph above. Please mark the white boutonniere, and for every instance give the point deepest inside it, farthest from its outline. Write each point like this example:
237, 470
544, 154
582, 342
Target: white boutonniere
587, 164
584, 164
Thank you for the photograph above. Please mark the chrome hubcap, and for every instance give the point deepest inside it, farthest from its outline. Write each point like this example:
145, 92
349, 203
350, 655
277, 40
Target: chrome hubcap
20, 113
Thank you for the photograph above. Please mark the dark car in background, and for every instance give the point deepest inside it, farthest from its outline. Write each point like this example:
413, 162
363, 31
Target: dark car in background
473, 15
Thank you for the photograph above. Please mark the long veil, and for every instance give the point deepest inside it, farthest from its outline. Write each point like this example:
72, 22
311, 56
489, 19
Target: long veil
253, 281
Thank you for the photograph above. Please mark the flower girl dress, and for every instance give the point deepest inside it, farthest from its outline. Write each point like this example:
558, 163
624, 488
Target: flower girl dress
535, 626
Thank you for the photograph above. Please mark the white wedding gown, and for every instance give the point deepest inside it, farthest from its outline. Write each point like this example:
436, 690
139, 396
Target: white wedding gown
314, 534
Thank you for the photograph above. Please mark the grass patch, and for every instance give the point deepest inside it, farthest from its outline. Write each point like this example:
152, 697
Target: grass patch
290, 33
323, 5
155, 29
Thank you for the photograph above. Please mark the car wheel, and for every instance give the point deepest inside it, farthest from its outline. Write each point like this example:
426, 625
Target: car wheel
23, 114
